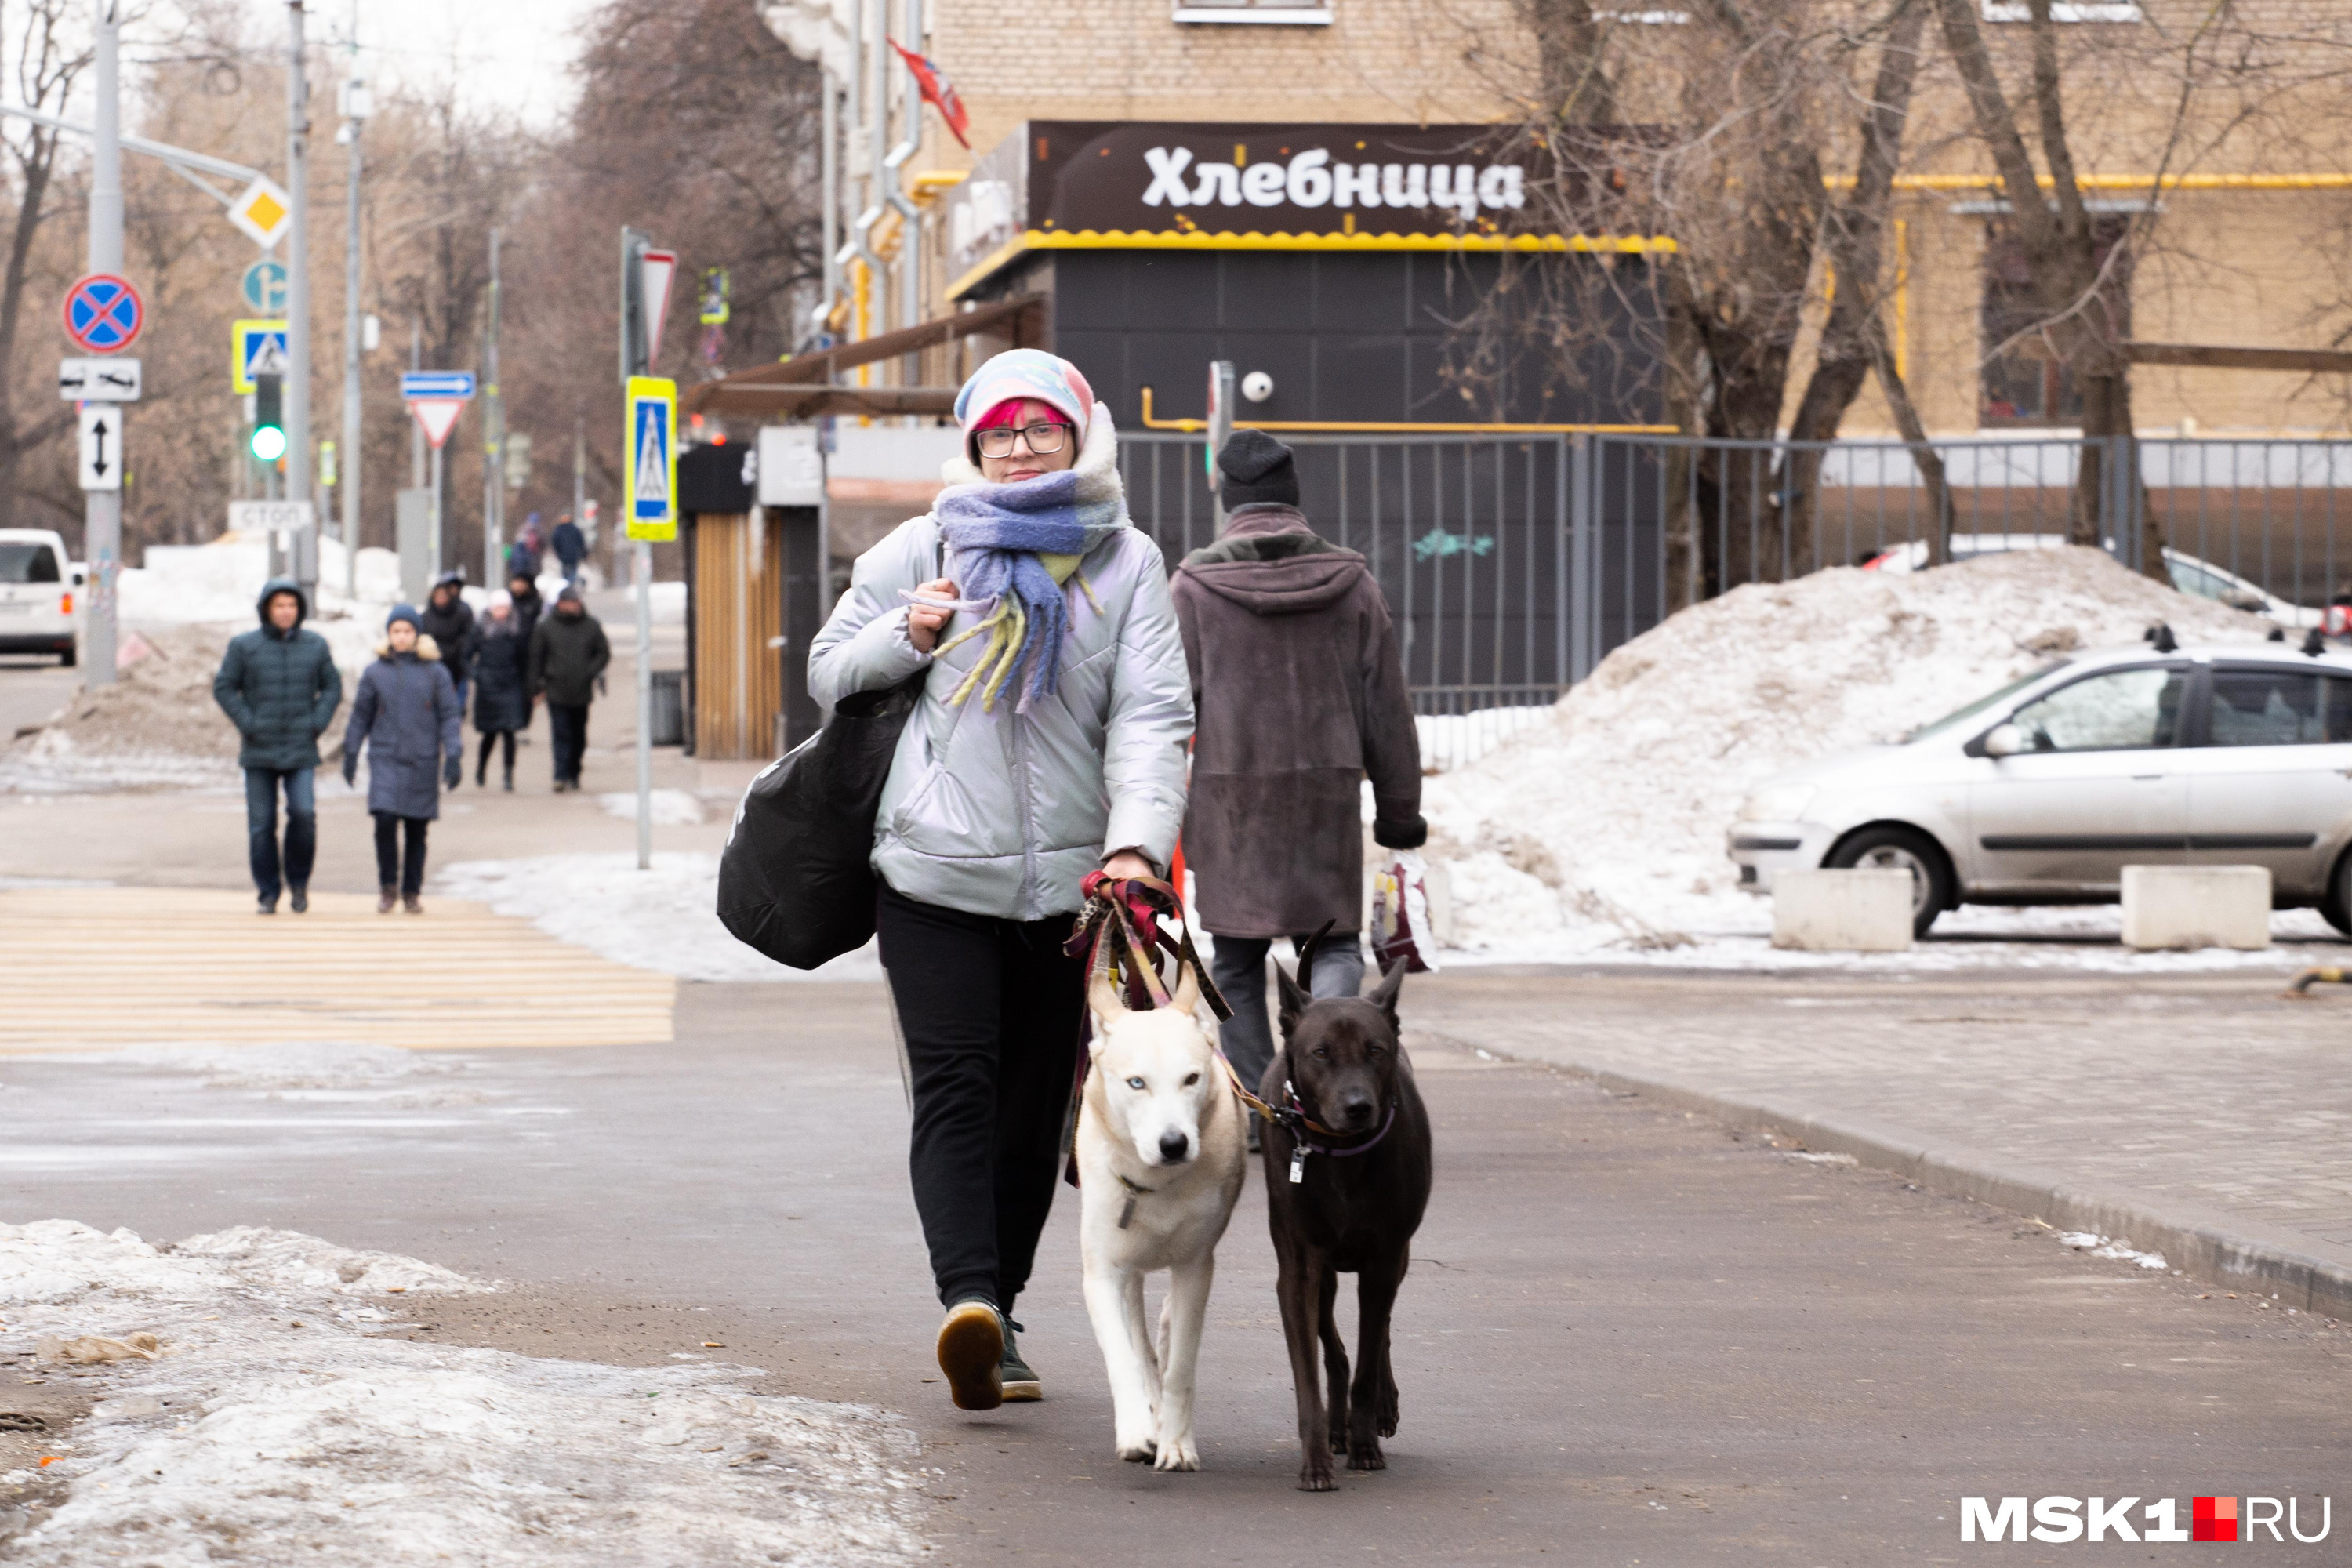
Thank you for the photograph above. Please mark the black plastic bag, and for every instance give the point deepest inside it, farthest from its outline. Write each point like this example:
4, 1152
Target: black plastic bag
795, 880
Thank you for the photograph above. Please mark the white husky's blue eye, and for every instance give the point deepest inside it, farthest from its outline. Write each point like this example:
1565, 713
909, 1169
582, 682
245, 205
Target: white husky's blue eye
1135, 1083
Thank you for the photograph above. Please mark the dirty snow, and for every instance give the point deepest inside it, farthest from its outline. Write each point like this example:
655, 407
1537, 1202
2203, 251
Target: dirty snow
1599, 833
276, 1427
2099, 1246
664, 918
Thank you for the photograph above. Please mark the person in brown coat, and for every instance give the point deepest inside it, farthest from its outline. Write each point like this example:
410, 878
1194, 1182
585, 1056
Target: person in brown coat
1300, 694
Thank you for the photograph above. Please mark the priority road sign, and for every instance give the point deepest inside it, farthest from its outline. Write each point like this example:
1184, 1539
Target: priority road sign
263, 210
650, 475
436, 416
255, 348
416, 384
103, 314
264, 287
98, 380
101, 446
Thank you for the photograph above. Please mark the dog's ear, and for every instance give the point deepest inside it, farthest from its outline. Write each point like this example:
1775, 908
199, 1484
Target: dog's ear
1294, 1000
1105, 1002
1384, 995
1187, 996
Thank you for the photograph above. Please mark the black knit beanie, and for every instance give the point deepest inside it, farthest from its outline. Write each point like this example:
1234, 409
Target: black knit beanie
1253, 467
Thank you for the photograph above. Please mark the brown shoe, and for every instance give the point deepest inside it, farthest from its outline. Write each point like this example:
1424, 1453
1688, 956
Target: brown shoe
383, 900
408, 901
971, 1351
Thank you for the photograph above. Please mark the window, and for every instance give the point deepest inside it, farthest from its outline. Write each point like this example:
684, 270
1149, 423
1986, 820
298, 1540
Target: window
2280, 708
1291, 13
2025, 384
2123, 710
2065, 11
27, 563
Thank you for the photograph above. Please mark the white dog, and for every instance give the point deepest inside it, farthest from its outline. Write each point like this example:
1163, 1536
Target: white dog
1161, 1156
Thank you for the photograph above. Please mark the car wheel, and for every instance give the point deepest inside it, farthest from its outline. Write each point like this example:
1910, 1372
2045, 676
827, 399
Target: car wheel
1902, 849
2337, 902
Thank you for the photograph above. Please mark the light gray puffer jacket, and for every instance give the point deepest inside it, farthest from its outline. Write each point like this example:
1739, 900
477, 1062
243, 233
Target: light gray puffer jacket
999, 813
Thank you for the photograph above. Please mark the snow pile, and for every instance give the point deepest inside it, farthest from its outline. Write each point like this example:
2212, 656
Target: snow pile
664, 918
157, 727
671, 808
274, 1429
1603, 826
187, 584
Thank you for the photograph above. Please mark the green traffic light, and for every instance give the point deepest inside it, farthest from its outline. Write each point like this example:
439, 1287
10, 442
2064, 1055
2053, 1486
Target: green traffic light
268, 443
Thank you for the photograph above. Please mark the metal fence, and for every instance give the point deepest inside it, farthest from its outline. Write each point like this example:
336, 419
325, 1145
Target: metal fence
1513, 563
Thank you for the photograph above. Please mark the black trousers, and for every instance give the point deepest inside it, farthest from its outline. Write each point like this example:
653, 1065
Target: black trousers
391, 862
990, 1009
482, 768
567, 728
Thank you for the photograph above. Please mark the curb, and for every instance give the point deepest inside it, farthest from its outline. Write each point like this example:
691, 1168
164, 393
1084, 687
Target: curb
2219, 1249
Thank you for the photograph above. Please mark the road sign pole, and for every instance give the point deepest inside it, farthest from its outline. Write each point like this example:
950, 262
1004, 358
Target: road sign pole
103, 510
494, 439
432, 551
298, 294
643, 557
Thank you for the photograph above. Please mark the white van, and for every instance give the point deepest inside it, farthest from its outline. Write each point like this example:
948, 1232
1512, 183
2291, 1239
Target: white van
40, 594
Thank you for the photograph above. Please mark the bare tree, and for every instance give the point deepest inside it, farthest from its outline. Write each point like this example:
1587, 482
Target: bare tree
47, 65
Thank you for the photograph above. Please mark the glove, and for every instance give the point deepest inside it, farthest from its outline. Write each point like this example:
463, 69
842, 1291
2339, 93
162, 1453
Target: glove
451, 772
1399, 831
350, 769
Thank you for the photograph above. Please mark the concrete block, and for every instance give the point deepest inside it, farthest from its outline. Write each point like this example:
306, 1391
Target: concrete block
1841, 911
2185, 907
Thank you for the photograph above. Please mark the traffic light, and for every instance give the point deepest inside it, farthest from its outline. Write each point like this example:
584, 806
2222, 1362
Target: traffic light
269, 416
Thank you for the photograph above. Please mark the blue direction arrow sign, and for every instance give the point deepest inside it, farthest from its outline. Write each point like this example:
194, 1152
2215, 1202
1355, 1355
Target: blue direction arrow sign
265, 287
416, 384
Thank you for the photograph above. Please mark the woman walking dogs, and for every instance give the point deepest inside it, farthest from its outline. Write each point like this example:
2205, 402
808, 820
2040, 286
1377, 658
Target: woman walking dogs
1048, 741
406, 714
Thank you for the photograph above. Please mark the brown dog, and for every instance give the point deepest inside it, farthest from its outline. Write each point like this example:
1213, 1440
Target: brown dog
1347, 1178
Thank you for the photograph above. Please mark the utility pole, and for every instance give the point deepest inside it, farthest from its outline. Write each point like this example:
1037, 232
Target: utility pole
297, 296
103, 510
580, 475
355, 108
416, 431
494, 438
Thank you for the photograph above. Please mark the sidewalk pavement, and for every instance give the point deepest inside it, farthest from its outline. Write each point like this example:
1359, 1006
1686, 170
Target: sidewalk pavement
2202, 1117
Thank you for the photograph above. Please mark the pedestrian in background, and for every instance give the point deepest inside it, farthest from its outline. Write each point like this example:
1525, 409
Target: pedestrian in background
570, 547
498, 660
280, 687
448, 620
522, 555
568, 656
1048, 743
1301, 695
528, 604
407, 715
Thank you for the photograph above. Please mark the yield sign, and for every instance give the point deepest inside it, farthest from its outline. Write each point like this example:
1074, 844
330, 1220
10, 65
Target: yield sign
103, 314
656, 270
436, 416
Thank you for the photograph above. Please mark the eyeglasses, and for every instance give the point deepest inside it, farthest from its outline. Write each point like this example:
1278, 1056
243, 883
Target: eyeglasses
1044, 438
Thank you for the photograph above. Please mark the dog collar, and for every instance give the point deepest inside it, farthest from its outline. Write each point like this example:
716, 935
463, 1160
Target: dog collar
1295, 1118
1127, 1215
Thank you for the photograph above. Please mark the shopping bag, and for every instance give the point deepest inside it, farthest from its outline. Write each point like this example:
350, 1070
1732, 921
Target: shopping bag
796, 880
1400, 928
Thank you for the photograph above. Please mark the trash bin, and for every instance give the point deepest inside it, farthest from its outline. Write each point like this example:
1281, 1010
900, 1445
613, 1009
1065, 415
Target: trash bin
669, 707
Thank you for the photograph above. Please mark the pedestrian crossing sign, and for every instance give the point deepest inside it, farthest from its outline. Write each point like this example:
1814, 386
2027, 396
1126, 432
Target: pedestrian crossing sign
255, 348
650, 471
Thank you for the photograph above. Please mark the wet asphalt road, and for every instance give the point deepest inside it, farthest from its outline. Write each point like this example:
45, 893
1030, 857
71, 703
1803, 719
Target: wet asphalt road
1629, 1337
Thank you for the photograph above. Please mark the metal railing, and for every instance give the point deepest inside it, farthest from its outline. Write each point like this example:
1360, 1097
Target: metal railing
1513, 563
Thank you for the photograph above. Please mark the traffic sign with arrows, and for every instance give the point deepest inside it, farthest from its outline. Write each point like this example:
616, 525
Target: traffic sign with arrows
102, 448
98, 380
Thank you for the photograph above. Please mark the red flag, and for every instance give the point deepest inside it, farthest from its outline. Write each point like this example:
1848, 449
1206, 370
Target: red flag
938, 91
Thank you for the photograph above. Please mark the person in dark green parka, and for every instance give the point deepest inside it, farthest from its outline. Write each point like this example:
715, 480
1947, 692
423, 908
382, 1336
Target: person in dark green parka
280, 687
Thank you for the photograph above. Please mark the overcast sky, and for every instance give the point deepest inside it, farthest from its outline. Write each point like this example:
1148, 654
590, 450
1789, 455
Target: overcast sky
512, 53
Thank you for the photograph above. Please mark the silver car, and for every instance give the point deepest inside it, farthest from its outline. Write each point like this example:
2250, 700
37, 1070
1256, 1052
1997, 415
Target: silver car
2044, 791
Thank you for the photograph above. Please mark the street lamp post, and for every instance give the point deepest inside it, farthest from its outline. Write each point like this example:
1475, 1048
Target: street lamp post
298, 297
355, 108
103, 510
